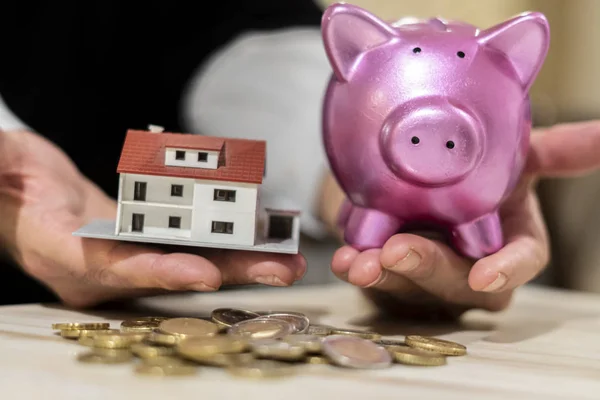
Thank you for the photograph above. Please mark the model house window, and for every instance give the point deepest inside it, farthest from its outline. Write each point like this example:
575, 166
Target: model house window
177, 190
137, 223
175, 222
180, 155
139, 191
281, 227
202, 157
224, 195
222, 227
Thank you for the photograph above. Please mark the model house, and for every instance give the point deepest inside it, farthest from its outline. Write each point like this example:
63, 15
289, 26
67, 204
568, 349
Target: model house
196, 190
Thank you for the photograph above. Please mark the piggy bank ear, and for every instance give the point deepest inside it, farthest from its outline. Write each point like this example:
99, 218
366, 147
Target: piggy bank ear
525, 40
348, 32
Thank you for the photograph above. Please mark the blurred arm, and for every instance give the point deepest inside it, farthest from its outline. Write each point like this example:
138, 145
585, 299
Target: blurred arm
8, 120
270, 86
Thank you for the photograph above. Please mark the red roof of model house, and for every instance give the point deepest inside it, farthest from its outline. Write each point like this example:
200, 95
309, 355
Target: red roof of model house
241, 160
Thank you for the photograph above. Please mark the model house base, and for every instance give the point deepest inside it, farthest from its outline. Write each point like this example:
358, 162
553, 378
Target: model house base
105, 229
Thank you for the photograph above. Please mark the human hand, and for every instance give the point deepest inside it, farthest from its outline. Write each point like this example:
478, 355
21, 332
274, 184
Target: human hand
44, 198
413, 276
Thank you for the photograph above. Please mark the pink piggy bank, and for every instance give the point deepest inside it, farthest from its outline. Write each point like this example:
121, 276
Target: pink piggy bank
428, 123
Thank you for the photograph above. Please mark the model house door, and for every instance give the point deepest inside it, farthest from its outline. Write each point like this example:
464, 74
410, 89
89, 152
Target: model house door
137, 223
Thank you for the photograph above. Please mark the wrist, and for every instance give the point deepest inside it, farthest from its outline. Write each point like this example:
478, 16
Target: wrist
331, 197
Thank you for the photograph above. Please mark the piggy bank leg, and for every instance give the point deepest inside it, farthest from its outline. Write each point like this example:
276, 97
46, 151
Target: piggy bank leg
369, 229
479, 238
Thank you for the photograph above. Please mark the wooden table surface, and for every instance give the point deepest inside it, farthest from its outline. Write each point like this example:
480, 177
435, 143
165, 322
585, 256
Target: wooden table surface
546, 346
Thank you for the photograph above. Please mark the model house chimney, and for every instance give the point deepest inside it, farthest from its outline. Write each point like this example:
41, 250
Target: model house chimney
155, 128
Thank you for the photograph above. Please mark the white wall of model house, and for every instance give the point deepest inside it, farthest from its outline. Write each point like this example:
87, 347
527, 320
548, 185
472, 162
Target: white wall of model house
196, 208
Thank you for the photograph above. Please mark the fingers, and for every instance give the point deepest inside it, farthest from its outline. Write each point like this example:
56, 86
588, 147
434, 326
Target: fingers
243, 267
437, 269
129, 265
409, 266
565, 149
342, 260
514, 265
524, 256
125, 265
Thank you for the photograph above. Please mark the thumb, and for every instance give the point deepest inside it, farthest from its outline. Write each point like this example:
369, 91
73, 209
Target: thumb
565, 149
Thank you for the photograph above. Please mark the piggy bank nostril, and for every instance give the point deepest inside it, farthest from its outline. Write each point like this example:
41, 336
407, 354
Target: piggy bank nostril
450, 144
415, 140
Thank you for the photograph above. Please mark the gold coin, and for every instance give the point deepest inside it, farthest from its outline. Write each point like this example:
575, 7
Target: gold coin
166, 370
311, 343
95, 358
86, 341
225, 360
186, 327
356, 333
112, 352
316, 360
163, 339
81, 326
145, 324
165, 360
262, 369
143, 350
120, 340
389, 342
278, 350
319, 330
261, 328
78, 333
198, 347
413, 356
399, 347
231, 316
436, 345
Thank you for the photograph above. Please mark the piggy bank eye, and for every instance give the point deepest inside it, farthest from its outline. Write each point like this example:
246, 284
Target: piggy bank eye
417, 50
450, 144
461, 54
415, 140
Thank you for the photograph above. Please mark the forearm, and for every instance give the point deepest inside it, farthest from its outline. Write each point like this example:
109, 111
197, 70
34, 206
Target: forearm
330, 200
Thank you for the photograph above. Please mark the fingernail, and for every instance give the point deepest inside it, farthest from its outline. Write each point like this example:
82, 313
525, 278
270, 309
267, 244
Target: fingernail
202, 287
382, 276
408, 263
497, 284
270, 280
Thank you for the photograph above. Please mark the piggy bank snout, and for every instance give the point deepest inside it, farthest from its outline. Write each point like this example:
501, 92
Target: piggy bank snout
432, 142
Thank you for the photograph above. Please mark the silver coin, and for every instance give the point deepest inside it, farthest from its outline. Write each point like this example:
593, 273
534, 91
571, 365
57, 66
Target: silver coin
231, 316
312, 343
355, 352
262, 328
298, 321
265, 313
277, 349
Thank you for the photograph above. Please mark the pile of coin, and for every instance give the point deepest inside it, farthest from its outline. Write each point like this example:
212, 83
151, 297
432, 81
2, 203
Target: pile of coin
246, 343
